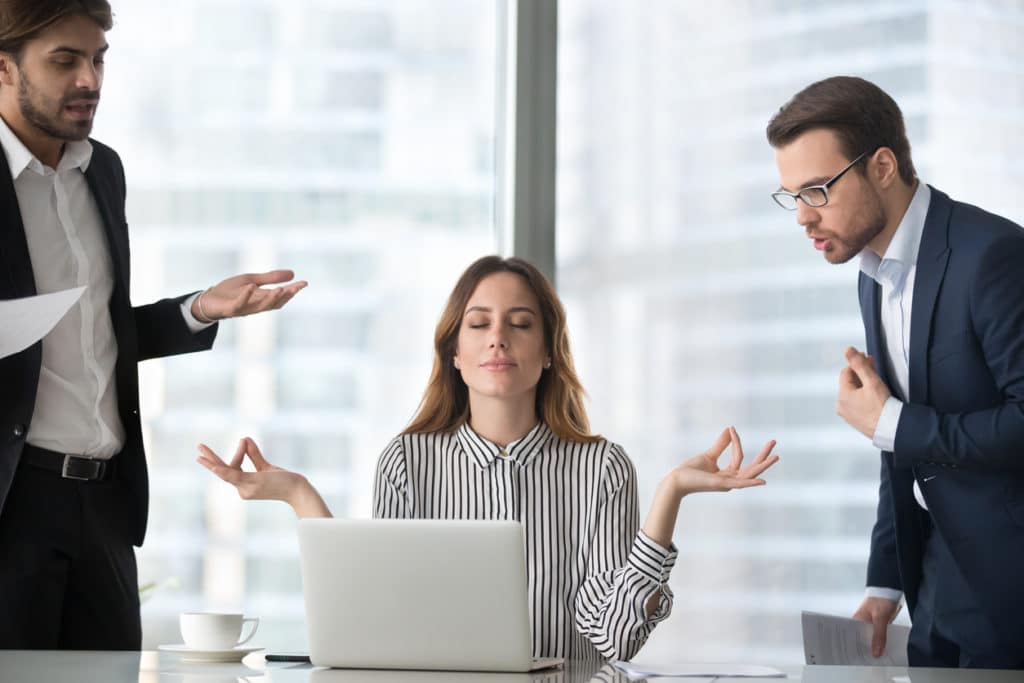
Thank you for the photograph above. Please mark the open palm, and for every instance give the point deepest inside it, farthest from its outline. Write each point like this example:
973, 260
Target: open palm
702, 473
268, 482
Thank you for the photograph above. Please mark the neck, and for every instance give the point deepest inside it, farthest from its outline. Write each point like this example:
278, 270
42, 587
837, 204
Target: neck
502, 420
46, 148
896, 205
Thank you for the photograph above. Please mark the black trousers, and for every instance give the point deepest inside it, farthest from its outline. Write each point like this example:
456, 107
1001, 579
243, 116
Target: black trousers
949, 628
68, 577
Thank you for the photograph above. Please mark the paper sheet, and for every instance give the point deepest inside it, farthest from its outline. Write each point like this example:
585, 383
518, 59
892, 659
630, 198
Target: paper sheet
23, 322
829, 639
695, 672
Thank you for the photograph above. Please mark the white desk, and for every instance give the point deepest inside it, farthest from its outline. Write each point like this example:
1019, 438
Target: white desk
24, 666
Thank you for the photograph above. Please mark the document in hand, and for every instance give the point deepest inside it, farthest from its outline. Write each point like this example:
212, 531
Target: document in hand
830, 639
638, 671
23, 322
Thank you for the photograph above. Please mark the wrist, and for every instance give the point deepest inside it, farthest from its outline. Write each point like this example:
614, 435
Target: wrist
298, 493
197, 309
670, 491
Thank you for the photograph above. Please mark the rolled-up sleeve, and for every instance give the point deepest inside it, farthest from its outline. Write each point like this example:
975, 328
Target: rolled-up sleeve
626, 570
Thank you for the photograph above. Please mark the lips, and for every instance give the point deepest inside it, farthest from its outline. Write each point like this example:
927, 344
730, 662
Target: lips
81, 110
498, 364
820, 243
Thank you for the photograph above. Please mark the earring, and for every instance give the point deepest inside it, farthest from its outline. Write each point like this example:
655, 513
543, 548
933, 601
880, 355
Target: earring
547, 365
455, 362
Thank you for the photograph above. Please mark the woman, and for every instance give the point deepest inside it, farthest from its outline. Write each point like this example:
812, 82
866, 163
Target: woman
502, 433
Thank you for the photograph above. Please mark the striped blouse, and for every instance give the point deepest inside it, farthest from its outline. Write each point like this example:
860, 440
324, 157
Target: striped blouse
591, 569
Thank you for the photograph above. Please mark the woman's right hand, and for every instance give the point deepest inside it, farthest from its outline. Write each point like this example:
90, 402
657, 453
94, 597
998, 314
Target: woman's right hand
268, 482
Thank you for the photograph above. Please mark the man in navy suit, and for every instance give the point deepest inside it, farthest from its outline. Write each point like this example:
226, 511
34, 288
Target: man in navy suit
73, 485
941, 389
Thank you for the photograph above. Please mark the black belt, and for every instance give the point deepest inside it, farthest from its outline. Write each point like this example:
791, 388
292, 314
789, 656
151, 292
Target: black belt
66, 465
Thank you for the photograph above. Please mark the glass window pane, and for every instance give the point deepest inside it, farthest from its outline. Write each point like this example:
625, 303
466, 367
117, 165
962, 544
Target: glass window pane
695, 302
350, 141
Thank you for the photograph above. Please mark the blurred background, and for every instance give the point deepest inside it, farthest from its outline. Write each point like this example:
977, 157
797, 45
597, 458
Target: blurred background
358, 143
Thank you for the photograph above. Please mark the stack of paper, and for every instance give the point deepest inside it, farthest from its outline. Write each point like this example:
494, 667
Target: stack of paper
23, 322
830, 639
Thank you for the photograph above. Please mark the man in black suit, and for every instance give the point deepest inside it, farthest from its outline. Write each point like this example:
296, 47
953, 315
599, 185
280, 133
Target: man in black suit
941, 391
73, 483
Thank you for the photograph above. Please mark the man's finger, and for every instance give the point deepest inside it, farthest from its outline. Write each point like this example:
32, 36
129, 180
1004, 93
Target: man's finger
878, 635
848, 379
271, 277
864, 368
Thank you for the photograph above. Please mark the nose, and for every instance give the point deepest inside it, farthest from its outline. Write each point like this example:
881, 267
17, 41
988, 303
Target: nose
806, 215
499, 337
90, 77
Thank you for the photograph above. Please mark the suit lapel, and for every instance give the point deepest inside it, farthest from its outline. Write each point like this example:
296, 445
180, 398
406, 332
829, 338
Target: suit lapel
14, 256
102, 192
871, 312
931, 268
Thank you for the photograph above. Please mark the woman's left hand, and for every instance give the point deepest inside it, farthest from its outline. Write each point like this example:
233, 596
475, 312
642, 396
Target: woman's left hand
702, 473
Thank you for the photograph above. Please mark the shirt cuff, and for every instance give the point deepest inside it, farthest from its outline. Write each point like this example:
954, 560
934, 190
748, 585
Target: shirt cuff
887, 593
651, 559
885, 432
186, 312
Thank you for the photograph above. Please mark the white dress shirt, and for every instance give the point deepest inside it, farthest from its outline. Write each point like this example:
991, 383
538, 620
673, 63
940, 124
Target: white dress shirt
76, 401
591, 570
895, 273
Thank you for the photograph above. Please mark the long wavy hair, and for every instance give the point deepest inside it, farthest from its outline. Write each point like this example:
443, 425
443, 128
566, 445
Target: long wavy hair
559, 402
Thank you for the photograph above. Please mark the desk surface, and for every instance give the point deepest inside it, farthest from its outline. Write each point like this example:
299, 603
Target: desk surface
22, 666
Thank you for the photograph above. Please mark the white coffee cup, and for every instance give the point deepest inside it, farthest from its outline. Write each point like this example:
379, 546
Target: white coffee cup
215, 630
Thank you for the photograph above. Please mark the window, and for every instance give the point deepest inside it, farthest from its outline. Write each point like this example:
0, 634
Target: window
331, 138
695, 303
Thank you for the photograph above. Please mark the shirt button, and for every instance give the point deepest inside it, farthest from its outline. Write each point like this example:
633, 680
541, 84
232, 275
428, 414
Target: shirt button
503, 453
19, 429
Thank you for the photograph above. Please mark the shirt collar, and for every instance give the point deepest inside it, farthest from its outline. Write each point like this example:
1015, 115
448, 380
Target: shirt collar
77, 154
901, 255
521, 451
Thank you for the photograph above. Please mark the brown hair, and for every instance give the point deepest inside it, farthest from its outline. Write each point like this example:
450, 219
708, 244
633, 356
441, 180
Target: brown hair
445, 404
23, 20
861, 114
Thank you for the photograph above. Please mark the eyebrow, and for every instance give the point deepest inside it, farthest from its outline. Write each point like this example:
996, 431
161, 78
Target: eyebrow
76, 51
818, 180
486, 309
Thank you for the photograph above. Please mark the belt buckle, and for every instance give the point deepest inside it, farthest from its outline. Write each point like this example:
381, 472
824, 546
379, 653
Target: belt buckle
64, 469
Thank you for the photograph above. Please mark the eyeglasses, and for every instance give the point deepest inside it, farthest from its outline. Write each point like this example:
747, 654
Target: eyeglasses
813, 196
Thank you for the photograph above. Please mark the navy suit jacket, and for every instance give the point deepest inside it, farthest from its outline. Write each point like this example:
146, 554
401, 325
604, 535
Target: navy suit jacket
961, 433
141, 332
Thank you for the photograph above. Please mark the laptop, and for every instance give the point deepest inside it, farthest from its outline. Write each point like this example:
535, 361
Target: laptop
417, 594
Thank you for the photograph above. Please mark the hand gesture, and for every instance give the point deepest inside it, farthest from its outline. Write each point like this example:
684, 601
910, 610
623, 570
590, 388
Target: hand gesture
266, 483
244, 295
701, 472
862, 393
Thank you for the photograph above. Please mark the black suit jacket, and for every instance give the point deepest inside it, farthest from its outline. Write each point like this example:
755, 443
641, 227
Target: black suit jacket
961, 434
141, 332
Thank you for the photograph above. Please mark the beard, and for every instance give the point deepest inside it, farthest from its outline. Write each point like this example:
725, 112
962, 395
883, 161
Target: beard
36, 109
868, 223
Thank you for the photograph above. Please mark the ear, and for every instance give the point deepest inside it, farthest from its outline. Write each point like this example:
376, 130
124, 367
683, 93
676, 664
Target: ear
885, 170
8, 69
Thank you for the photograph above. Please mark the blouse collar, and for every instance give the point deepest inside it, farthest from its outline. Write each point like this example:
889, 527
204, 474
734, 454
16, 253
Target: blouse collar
521, 451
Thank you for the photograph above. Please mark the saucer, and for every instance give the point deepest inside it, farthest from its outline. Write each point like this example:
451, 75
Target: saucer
191, 654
